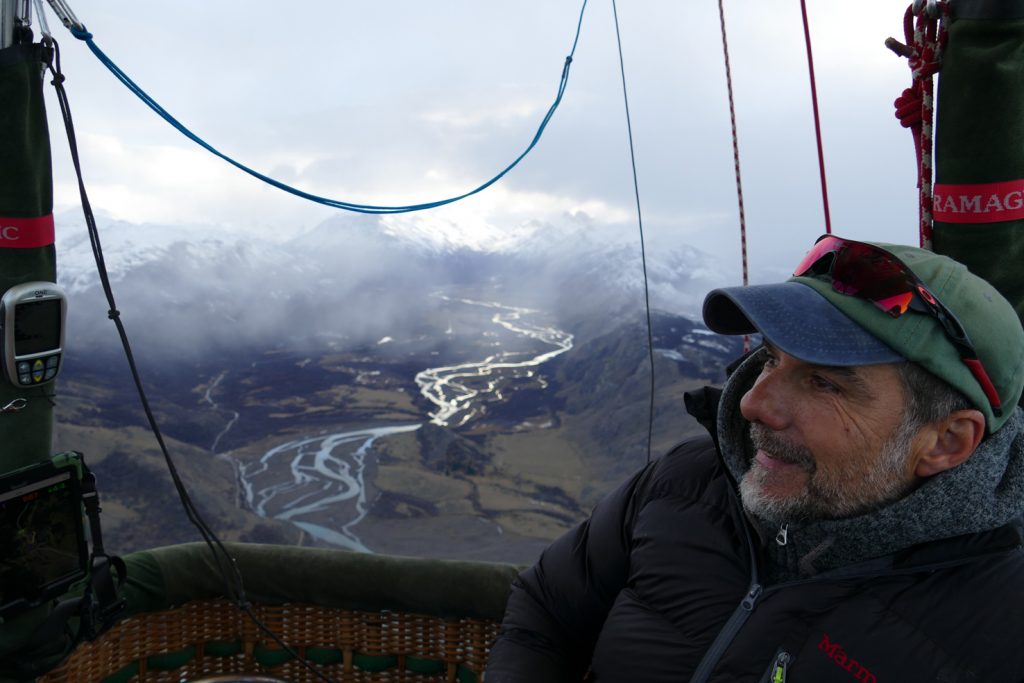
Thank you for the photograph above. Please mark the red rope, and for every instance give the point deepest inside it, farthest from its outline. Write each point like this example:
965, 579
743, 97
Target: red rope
817, 118
736, 158
926, 37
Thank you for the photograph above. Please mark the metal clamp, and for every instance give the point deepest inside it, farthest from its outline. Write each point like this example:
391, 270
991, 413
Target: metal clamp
65, 14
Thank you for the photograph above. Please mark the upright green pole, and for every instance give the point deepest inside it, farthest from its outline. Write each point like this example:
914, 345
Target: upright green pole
26, 234
6, 23
979, 144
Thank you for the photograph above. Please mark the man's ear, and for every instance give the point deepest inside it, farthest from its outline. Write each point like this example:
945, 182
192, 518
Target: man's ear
948, 442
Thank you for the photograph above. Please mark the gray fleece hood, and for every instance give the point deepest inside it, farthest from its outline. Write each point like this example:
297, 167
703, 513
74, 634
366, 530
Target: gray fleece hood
983, 493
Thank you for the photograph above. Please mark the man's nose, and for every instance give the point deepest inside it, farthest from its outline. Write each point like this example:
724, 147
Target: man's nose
764, 403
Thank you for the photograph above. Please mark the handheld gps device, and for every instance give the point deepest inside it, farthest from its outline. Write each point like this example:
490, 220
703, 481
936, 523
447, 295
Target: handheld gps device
42, 534
32, 318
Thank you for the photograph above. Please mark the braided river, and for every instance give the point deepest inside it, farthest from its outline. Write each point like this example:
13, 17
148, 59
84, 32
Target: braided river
318, 483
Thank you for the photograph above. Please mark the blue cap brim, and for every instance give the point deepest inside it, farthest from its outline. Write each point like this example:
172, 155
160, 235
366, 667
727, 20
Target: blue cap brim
798, 321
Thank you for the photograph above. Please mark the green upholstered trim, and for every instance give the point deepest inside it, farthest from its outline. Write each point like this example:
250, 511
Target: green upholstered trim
464, 675
424, 666
374, 662
144, 590
163, 577
124, 675
271, 657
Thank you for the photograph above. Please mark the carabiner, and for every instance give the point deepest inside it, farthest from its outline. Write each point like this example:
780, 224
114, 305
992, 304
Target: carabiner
15, 405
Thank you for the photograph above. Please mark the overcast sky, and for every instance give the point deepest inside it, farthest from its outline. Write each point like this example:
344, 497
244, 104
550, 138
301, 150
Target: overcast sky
402, 101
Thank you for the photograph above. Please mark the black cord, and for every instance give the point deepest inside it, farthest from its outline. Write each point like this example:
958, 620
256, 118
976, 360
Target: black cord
226, 565
643, 251
233, 588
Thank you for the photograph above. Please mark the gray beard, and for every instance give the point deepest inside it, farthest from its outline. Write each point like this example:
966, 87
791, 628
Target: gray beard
826, 497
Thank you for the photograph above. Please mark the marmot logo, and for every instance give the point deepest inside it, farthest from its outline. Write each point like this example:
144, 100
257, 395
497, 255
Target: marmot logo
845, 661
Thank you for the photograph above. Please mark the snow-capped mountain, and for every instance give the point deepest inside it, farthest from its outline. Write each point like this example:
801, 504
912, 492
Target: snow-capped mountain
355, 276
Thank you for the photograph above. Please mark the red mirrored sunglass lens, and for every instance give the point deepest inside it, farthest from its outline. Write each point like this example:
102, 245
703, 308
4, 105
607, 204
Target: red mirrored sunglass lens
825, 245
865, 263
875, 275
864, 271
895, 305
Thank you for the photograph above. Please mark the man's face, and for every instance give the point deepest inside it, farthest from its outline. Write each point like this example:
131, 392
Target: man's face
828, 441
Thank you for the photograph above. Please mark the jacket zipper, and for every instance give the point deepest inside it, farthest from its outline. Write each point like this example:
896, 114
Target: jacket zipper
739, 616
724, 638
779, 668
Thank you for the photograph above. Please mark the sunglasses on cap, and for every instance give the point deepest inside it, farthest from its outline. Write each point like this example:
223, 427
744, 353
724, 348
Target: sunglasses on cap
871, 273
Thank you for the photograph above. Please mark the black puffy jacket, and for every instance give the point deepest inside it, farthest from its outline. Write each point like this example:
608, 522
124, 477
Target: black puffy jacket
662, 583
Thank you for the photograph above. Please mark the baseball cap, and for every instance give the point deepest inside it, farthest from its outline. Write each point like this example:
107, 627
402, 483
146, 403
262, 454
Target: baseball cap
808, 319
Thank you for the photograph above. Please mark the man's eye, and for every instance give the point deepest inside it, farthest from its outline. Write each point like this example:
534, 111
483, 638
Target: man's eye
822, 383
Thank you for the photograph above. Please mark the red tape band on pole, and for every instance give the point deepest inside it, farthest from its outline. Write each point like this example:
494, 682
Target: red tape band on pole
26, 233
979, 203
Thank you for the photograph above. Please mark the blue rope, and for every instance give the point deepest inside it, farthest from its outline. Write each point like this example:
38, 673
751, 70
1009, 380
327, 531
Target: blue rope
82, 34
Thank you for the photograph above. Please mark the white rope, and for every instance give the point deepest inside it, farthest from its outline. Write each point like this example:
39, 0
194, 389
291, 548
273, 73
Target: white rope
44, 28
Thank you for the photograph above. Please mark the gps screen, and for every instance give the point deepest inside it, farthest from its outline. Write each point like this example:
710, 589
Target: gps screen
36, 327
41, 537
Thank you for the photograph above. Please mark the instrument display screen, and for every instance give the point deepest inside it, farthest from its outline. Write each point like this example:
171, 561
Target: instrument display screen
36, 326
42, 540
32, 316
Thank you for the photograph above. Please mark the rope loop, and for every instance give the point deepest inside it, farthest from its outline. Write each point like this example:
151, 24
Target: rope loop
80, 33
924, 29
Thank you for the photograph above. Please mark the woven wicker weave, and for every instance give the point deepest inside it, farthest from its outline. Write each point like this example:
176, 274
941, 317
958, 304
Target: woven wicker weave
208, 637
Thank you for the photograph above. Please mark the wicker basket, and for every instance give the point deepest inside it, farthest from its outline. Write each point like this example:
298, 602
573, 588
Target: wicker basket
210, 637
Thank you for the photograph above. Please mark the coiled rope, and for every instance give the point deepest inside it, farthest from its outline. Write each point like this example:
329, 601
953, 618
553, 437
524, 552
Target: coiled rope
924, 28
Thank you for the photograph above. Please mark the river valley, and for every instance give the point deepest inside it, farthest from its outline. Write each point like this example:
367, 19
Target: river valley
317, 482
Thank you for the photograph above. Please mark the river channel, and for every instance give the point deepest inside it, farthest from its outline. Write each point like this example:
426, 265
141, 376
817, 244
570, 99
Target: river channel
461, 391
317, 482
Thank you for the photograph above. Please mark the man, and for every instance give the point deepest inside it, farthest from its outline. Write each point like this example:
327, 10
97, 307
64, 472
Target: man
854, 515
